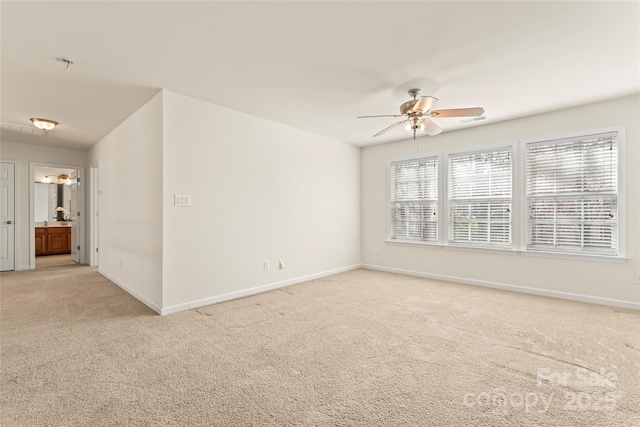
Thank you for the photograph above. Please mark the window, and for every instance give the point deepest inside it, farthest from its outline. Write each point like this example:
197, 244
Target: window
571, 201
572, 195
414, 199
480, 197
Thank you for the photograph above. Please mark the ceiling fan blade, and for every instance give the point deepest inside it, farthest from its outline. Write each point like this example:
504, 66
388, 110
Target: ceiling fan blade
431, 128
388, 115
458, 112
393, 126
425, 103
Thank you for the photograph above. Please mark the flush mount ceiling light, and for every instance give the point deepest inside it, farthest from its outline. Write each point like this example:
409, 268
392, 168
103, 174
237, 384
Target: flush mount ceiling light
44, 124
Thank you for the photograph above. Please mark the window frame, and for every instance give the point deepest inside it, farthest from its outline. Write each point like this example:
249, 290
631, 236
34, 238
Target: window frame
446, 232
519, 220
620, 255
438, 157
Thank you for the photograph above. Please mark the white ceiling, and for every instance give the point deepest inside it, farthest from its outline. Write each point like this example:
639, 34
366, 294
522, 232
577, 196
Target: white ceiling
310, 65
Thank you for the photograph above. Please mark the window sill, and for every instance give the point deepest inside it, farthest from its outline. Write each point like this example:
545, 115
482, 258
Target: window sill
582, 257
496, 250
503, 251
511, 251
414, 243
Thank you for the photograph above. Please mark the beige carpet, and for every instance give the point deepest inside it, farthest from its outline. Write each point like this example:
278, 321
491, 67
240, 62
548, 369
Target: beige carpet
360, 348
53, 260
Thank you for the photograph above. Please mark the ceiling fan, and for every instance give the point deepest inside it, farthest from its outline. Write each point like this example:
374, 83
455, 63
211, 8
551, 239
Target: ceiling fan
417, 114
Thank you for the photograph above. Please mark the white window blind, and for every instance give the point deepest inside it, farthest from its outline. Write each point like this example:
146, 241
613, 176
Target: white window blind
414, 199
572, 191
480, 193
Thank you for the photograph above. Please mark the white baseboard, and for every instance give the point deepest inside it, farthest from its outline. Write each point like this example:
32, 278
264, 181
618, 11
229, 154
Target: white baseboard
263, 288
24, 267
514, 288
134, 294
252, 291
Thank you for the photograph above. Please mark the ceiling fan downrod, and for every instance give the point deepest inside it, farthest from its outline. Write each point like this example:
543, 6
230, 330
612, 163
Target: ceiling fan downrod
415, 93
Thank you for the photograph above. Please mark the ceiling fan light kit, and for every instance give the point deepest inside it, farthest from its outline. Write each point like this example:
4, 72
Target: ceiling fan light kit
417, 114
414, 126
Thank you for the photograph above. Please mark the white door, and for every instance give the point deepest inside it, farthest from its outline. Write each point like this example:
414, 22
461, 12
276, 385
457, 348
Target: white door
7, 217
73, 217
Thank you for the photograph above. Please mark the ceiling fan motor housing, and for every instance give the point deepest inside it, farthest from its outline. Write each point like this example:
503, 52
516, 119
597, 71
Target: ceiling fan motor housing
407, 107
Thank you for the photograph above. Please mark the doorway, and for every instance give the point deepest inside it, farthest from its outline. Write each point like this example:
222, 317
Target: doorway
94, 210
56, 214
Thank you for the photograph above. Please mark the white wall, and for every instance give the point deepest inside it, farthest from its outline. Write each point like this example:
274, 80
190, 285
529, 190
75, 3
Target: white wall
23, 154
260, 191
616, 281
130, 220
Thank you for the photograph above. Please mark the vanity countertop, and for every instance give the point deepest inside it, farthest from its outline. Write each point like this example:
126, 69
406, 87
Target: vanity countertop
53, 226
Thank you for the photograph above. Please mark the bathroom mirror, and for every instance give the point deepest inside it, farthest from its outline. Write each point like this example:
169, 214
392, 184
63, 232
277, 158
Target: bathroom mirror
47, 198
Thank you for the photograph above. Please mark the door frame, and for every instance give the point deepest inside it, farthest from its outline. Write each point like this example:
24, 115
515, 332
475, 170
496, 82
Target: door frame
94, 208
81, 206
16, 215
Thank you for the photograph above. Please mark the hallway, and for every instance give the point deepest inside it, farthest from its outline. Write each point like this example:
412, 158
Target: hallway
53, 261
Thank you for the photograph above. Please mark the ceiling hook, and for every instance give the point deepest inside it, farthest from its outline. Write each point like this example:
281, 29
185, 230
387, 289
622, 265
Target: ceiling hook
66, 61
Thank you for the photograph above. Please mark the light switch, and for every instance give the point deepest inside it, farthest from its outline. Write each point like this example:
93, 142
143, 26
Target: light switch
181, 200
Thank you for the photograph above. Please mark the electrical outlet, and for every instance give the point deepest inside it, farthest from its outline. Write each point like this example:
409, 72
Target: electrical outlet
281, 265
376, 251
266, 266
638, 279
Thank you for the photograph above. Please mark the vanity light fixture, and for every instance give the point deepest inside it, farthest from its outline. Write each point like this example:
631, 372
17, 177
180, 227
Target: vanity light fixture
62, 179
46, 180
44, 124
